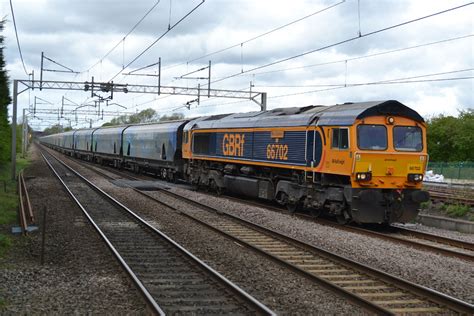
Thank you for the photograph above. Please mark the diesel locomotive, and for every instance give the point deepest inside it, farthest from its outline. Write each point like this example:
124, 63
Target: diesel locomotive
361, 162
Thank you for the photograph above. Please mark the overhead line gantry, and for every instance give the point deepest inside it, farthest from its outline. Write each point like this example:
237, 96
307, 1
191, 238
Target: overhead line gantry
110, 87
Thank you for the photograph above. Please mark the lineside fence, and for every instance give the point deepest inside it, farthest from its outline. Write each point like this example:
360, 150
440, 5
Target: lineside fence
453, 170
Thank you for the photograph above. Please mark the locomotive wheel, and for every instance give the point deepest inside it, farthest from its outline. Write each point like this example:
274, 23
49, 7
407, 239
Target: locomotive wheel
343, 218
170, 176
214, 187
315, 212
174, 178
292, 207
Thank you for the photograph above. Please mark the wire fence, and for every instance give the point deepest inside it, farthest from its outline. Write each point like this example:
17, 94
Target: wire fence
453, 170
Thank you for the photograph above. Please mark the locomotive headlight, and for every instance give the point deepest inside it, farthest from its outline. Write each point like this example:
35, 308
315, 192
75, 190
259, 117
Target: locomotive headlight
390, 120
415, 177
363, 176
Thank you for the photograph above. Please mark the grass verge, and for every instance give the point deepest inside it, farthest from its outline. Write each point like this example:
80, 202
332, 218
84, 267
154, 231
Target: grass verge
5, 244
459, 211
8, 200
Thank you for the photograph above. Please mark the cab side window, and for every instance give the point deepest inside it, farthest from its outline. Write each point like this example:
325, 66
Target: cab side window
335, 138
340, 138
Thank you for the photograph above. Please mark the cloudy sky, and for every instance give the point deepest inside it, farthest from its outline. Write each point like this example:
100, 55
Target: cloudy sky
427, 64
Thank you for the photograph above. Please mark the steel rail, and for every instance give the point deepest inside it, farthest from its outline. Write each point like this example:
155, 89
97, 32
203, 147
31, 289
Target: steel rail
242, 295
387, 236
440, 239
463, 245
27, 198
358, 300
150, 301
450, 198
22, 215
409, 242
434, 296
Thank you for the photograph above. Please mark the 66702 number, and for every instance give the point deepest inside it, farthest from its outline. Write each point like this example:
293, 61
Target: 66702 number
277, 151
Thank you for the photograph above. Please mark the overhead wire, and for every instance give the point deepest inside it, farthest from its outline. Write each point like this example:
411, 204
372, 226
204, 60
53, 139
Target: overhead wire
330, 85
350, 85
328, 63
299, 55
158, 39
256, 37
17, 39
398, 81
348, 40
362, 57
123, 39
342, 42
243, 42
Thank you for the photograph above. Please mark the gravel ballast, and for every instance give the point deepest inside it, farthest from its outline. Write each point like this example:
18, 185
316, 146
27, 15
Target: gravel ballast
451, 276
448, 275
79, 276
275, 286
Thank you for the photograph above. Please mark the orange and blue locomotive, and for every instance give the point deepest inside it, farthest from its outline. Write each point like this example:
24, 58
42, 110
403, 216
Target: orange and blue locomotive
361, 162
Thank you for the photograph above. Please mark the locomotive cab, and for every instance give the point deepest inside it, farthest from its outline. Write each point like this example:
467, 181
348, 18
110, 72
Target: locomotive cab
388, 165
373, 162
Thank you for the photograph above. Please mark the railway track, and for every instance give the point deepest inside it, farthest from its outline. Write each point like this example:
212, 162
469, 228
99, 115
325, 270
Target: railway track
450, 198
375, 290
449, 194
416, 239
421, 240
369, 288
170, 278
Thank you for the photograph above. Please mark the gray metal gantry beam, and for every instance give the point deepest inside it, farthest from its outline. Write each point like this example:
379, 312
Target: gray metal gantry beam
110, 87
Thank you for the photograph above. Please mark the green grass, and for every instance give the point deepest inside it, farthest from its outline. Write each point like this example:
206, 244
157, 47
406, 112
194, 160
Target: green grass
8, 195
457, 210
8, 200
5, 244
425, 205
3, 303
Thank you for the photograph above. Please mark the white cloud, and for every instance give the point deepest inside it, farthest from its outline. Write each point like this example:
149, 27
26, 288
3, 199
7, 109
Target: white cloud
78, 33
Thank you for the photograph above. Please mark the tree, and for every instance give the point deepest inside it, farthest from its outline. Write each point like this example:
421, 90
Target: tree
5, 100
145, 116
172, 117
58, 128
451, 138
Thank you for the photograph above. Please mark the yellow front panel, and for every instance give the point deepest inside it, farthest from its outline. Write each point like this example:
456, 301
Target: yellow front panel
389, 168
391, 164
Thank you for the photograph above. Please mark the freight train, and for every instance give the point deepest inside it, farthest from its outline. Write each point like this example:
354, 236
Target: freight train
360, 162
